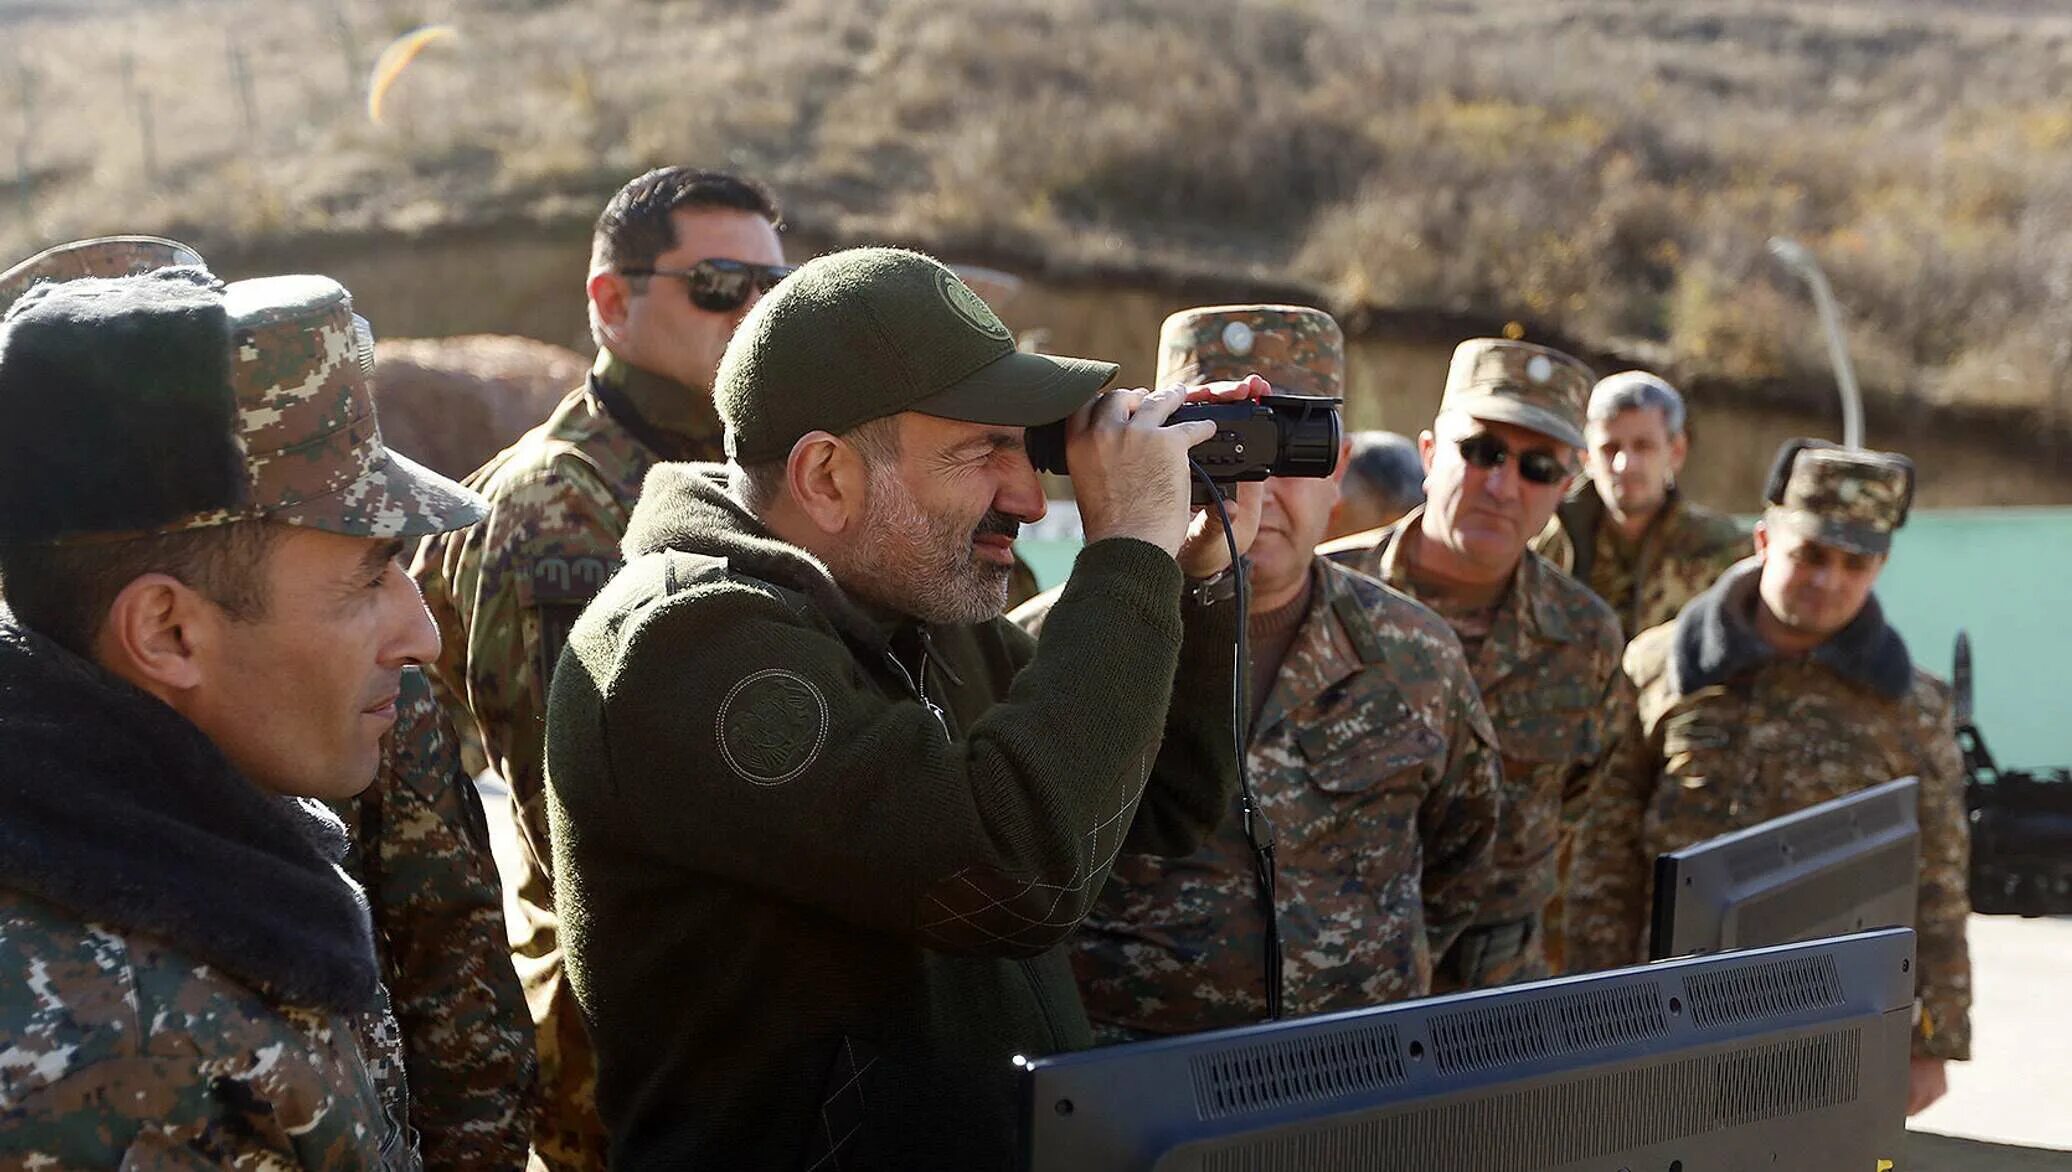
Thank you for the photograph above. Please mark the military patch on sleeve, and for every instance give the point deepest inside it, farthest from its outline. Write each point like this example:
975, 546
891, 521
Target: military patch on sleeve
570, 579
771, 726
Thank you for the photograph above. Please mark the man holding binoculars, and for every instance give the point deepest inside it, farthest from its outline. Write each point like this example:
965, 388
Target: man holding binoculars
821, 818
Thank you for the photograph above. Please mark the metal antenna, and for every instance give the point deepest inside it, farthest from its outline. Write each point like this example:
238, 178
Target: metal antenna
1799, 259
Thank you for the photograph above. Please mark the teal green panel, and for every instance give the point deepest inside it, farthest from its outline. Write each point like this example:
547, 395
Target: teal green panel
2004, 575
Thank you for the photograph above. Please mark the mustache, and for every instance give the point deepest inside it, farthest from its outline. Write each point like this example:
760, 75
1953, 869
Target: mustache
997, 524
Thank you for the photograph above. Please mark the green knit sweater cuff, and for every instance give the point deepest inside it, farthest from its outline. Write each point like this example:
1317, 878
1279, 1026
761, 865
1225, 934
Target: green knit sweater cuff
1139, 575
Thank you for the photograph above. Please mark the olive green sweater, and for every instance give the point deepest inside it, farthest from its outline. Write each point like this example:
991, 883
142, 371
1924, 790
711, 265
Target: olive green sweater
814, 872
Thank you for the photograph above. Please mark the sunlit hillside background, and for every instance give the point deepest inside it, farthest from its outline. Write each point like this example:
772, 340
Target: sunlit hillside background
1602, 171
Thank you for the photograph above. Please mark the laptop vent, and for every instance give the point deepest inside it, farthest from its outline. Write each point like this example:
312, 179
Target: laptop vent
1262, 1077
1747, 993
1587, 1118
1478, 1039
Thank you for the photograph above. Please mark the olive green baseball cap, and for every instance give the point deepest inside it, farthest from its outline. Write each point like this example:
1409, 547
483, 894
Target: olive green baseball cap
870, 332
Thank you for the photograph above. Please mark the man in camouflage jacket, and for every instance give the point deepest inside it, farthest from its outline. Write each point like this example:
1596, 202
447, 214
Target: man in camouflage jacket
1629, 533
1369, 751
1780, 688
421, 852
199, 532
459, 1026
678, 258
1544, 650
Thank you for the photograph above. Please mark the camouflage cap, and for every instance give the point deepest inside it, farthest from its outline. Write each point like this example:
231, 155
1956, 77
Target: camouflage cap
1298, 349
102, 256
173, 401
1844, 497
1517, 382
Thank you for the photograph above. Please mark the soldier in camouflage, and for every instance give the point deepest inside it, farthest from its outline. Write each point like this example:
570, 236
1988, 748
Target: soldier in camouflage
199, 534
1780, 688
1629, 533
421, 851
1544, 650
460, 1027
1369, 751
678, 258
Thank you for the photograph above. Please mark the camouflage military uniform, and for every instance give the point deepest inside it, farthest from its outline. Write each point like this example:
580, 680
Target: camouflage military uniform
198, 967
1728, 733
1548, 674
504, 594
1685, 549
421, 851
1376, 766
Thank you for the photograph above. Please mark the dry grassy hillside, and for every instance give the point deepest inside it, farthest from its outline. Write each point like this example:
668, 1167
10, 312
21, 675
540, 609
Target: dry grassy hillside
1605, 170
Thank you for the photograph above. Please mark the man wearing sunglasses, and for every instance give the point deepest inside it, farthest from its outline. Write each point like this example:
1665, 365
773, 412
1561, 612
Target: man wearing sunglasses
678, 258
1544, 650
1782, 687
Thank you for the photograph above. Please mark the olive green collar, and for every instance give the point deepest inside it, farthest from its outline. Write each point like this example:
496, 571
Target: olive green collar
678, 411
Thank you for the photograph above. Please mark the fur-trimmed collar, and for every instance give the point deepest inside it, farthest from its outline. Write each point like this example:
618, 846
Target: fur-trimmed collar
686, 507
118, 809
1715, 640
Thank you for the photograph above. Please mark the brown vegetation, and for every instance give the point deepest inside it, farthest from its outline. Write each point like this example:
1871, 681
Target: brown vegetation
1600, 169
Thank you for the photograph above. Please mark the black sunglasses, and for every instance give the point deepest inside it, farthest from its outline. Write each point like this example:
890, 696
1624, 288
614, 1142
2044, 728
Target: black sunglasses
718, 285
1483, 450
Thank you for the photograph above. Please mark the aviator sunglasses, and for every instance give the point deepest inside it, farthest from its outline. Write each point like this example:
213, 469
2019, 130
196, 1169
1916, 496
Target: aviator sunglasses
718, 285
1483, 450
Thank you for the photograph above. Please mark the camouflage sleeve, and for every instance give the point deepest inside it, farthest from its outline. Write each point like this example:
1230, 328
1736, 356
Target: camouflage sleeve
1458, 819
1615, 712
504, 593
438, 907
1945, 901
1606, 904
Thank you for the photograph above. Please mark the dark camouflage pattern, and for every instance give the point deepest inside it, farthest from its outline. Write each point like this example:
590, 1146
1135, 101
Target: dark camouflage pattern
421, 850
504, 594
1517, 382
1377, 767
117, 1050
1298, 349
102, 256
1683, 552
1789, 734
1547, 668
1850, 499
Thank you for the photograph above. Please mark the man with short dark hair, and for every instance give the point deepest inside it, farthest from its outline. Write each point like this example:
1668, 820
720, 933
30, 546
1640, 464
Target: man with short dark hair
678, 257
199, 541
1631, 534
461, 1038
1543, 648
1384, 479
822, 818
1780, 688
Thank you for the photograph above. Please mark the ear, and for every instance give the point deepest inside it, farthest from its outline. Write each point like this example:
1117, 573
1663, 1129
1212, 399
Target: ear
611, 296
1427, 443
153, 634
1679, 447
1762, 538
828, 481
1345, 455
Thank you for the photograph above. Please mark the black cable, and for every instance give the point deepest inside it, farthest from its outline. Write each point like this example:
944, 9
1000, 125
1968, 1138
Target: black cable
1258, 831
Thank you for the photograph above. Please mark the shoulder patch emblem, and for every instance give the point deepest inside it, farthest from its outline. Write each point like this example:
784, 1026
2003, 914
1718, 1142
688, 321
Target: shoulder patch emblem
771, 726
570, 579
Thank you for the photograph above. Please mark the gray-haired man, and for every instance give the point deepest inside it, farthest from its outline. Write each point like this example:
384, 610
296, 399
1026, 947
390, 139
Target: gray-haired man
1636, 540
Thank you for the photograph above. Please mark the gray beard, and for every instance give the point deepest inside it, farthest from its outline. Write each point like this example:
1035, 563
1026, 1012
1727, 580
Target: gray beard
905, 562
